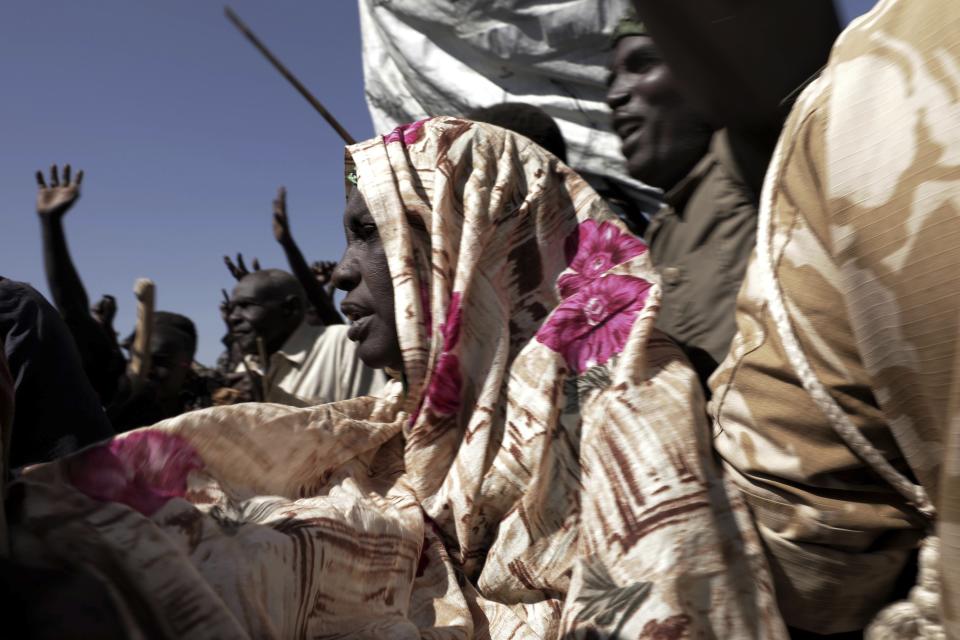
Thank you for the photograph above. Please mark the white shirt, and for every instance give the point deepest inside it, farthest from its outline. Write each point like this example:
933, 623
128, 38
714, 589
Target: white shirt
317, 365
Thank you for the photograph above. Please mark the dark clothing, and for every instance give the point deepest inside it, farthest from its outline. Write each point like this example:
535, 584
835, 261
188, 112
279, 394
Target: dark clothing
633, 203
141, 409
100, 355
700, 243
56, 410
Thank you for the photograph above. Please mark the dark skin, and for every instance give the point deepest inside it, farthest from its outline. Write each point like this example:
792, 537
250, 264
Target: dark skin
663, 134
101, 357
241, 387
170, 359
266, 304
239, 269
364, 274
743, 62
741, 59
317, 295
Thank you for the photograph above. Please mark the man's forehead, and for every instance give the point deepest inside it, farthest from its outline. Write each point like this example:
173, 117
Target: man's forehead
255, 289
168, 341
629, 45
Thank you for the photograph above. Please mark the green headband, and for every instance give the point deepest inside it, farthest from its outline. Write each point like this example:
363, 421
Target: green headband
629, 25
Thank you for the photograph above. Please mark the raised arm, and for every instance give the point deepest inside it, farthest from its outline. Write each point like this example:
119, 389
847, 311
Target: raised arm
53, 202
321, 300
101, 357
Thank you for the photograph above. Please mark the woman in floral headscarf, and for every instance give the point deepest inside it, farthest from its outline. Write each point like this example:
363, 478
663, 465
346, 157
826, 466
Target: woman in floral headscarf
540, 467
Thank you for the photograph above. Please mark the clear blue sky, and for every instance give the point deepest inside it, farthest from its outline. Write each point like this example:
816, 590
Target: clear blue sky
184, 132
850, 9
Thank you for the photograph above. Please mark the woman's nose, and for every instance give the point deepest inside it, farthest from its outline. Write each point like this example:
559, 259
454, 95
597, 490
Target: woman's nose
346, 275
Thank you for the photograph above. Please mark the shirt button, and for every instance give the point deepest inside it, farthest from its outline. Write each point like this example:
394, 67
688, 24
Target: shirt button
671, 275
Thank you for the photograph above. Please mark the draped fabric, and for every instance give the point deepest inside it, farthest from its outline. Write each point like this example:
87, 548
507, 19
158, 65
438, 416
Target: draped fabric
542, 470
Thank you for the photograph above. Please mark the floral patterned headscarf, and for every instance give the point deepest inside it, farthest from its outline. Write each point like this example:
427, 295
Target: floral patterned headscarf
554, 441
516, 289
496, 248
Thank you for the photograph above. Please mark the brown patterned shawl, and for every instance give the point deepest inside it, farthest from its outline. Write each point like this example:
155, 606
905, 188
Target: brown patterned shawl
544, 470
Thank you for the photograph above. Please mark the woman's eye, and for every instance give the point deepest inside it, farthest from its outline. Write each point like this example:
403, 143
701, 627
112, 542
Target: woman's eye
368, 231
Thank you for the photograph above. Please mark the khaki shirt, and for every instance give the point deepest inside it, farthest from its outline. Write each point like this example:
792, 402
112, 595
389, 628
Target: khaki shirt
317, 365
862, 207
700, 243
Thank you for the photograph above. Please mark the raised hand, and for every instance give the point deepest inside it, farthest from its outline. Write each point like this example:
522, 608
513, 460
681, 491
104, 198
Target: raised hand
56, 199
105, 311
323, 272
311, 279
239, 270
281, 223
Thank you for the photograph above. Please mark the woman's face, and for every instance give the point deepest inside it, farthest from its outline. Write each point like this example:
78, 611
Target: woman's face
363, 273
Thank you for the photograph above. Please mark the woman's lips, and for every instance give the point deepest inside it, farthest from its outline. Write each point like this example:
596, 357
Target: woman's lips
358, 328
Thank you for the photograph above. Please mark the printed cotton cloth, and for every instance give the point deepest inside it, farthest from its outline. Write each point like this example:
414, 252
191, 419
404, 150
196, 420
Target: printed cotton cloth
543, 471
861, 209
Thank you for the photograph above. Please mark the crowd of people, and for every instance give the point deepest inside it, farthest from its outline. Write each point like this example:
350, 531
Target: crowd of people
552, 412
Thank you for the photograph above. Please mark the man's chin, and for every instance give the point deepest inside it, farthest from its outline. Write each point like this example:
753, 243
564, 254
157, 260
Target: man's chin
640, 167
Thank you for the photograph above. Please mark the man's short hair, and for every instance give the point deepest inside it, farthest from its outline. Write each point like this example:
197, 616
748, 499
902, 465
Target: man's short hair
527, 120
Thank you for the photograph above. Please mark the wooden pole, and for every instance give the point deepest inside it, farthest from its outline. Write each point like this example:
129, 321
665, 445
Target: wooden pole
139, 366
245, 30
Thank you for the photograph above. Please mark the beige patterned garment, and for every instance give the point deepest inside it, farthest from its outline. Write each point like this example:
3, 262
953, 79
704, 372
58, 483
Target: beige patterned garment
544, 471
861, 212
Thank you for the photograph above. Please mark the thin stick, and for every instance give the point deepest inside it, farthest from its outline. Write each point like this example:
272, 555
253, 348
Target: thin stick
264, 364
245, 30
259, 397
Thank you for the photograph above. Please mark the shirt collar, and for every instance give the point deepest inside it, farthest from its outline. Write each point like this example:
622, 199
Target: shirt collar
677, 196
299, 344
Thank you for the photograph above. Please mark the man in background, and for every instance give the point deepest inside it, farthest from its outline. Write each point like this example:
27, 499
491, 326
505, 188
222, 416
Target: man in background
701, 238
295, 362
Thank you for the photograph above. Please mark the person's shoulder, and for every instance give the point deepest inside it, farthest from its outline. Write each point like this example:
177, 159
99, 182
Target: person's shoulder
13, 292
332, 333
335, 331
15, 287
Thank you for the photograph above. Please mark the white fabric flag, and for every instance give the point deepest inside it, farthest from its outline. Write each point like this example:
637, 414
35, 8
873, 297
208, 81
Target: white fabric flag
445, 57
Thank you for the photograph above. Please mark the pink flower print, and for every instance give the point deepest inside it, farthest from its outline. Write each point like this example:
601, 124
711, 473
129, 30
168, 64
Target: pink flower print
142, 470
446, 383
593, 324
593, 249
451, 328
408, 133
443, 394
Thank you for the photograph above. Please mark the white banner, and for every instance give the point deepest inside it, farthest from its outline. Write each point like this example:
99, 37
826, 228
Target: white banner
445, 57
